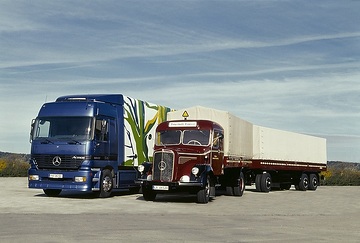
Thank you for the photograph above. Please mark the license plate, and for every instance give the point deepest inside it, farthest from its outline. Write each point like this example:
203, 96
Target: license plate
56, 176
160, 188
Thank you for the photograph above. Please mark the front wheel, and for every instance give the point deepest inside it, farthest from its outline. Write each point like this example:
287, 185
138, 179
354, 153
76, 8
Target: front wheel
148, 194
203, 194
106, 184
52, 192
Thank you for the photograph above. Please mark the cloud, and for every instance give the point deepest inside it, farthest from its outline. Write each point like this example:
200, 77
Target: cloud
283, 64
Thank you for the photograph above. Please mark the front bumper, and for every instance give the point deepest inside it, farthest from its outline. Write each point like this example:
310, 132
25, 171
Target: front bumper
171, 186
64, 180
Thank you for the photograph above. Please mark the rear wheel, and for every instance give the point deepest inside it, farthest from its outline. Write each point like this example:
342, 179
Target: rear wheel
258, 182
240, 188
229, 191
265, 182
52, 192
313, 182
203, 194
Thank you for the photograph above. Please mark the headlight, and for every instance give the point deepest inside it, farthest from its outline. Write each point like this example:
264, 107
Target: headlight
33, 178
149, 178
80, 178
195, 170
185, 178
141, 168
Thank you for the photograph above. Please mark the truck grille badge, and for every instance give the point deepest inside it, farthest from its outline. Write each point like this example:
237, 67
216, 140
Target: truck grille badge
56, 161
162, 165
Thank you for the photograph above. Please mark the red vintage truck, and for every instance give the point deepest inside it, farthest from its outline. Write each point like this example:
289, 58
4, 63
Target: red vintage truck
200, 149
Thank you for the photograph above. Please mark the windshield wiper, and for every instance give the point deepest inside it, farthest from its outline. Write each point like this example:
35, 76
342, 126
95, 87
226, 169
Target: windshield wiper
47, 141
74, 142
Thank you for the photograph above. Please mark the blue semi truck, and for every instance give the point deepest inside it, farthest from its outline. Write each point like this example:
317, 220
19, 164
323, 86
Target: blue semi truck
92, 143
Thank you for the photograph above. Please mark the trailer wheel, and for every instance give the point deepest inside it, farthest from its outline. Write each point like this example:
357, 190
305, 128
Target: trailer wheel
52, 192
203, 194
148, 194
106, 184
240, 188
303, 183
313, 182
265, 182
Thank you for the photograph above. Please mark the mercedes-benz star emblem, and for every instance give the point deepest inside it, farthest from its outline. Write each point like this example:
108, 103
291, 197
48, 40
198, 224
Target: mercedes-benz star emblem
162, 165
56, 161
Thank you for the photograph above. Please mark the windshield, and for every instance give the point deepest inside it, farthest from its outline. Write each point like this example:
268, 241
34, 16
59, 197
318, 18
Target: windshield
196, 137
188, 137
78, 128
168, 137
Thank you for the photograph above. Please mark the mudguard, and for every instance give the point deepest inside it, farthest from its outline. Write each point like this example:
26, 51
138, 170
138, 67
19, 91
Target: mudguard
147, 167
204, 171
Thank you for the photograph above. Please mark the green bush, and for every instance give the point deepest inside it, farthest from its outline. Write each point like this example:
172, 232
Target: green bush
12, 165
341, 177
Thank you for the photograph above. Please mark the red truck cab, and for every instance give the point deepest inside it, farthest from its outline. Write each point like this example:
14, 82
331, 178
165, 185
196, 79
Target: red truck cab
188, 155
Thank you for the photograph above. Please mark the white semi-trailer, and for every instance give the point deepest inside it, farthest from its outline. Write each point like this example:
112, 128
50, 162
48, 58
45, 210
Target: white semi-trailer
198, 149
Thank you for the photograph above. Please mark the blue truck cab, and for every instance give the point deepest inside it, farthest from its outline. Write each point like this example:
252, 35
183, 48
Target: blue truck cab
91, 143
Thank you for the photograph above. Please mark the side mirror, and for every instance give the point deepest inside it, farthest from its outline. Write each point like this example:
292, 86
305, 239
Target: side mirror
32, 130
103, 124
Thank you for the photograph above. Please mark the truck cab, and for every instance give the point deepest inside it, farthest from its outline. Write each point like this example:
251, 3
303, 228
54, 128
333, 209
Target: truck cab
91, 143
188, 155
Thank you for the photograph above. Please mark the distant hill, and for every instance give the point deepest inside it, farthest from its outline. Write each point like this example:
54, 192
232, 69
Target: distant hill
343, 165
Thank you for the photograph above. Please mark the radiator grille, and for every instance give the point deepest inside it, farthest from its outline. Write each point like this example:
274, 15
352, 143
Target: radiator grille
48, 161
163, 166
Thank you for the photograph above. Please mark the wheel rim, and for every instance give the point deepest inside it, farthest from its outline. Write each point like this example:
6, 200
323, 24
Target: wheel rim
268, 183
306, 182
207, 188
242, 184
107, 184
314, 182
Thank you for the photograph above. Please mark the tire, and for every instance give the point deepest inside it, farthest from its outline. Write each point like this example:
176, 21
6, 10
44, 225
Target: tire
52, 192
240, 188
229, 191
313, 182
106, 184
303, 184
265, 182
148, 194
203, 194
258, 182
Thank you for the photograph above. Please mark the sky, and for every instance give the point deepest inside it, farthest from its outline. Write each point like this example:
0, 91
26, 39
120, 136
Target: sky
284, 64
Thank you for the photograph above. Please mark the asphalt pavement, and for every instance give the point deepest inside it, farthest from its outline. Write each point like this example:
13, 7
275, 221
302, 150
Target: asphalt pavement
329, 214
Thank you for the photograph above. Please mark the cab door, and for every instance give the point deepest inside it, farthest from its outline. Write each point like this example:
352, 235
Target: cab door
217, 152
102, 143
